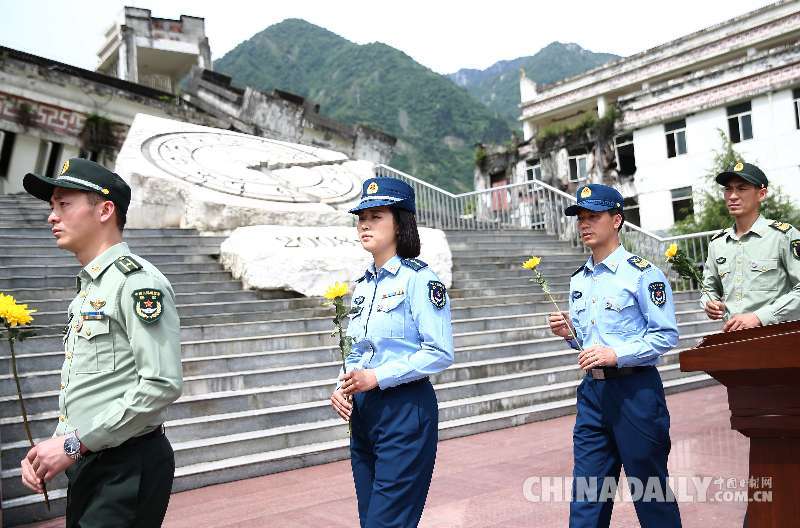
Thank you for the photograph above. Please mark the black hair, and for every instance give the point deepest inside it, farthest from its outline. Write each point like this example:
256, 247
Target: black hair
122, 216
618, 211
408, 244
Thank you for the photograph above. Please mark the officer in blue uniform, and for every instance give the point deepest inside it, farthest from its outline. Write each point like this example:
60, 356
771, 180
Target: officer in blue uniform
623, 316
401, 331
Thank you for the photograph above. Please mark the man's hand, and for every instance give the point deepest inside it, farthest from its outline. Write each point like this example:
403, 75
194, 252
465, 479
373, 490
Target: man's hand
561, 325
715, 309
741, 321
359, 381
597, 356
47, 459
29, 478
341, 404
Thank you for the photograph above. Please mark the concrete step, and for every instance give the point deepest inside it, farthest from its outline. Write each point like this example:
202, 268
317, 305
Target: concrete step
67, 259
137, 240
51, 250
128, 233
186, 279
14, 271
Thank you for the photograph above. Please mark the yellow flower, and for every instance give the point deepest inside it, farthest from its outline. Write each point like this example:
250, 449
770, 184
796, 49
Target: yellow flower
672, 250
531, 263
12, 313
339, 289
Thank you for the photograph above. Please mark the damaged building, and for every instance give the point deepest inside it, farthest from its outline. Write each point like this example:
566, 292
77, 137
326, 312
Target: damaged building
649, 124
51, 111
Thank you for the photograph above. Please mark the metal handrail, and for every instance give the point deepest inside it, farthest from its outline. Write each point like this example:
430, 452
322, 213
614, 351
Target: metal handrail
536, 205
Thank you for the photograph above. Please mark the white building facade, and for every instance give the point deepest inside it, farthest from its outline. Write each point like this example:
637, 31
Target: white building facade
741, 77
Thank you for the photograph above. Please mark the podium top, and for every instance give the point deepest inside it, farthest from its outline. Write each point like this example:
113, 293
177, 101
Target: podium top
763, 348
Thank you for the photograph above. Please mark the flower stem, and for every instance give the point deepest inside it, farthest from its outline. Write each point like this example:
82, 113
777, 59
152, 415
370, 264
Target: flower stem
22, 407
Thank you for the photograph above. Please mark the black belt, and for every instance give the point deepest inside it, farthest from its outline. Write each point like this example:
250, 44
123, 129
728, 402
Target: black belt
155, 433
605, 373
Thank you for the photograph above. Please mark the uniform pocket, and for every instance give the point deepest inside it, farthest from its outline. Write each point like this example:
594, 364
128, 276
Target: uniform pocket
390, 317
620, 314
764, 275
94, 348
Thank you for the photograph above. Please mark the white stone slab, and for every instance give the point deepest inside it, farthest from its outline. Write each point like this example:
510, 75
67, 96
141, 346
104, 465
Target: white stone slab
186, 175
308, 260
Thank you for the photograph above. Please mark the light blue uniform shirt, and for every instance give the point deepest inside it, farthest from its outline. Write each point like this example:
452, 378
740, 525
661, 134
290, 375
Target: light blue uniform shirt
397, 327
624, 303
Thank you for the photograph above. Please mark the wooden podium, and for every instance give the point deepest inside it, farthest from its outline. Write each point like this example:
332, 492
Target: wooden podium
761, 369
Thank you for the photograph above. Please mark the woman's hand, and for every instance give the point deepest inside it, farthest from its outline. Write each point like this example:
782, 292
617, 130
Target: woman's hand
359, 381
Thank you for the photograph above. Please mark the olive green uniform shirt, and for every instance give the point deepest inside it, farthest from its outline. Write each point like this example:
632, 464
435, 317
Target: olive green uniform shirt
122, 364
757, 272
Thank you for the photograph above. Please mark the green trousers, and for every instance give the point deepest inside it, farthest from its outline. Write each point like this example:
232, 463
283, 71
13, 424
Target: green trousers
123, 487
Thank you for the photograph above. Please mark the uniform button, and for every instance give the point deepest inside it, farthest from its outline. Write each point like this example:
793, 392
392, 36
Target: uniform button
594, 300
82, 294
88, 332
69, 355
592, 321
62, 386
62, 418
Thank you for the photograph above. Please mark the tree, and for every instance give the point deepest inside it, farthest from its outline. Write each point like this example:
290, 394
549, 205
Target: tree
713, 214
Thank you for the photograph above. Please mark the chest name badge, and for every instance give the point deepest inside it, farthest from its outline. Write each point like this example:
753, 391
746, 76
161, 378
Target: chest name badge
147, 305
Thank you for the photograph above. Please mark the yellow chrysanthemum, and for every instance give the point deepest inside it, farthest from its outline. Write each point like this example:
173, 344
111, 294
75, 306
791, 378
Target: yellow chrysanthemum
672, 250
531, 263
339, 289
14, 314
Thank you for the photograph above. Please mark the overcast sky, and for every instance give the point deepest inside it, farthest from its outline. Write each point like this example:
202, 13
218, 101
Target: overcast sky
444, 35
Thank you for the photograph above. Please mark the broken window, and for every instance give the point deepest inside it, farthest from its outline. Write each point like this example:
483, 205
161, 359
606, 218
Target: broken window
631, 208
676, 138
6, 147
626, 159
682, 203
533, 169
796, 97
578, 166
740, 122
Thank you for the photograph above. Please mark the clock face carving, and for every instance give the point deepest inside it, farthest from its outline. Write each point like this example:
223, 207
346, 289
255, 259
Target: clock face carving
254, 167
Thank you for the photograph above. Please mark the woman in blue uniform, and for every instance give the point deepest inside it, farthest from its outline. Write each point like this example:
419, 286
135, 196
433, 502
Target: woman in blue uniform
400, 324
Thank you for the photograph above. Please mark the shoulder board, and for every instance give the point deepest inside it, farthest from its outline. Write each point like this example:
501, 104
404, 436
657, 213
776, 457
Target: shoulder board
718, 235
639, 263
361, 279
415, 264
578, 270
127, 265
783, 227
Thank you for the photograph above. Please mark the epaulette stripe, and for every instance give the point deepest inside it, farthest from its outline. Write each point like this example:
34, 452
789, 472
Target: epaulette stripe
578, 270
127, 265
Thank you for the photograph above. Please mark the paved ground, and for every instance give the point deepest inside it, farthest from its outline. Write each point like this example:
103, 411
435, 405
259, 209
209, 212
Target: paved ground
479, 480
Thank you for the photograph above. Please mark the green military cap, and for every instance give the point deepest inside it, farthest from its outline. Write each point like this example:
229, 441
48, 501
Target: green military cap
746, 171
83, 175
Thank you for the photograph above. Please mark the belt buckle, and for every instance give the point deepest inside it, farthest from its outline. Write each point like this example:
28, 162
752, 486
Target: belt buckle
598, 374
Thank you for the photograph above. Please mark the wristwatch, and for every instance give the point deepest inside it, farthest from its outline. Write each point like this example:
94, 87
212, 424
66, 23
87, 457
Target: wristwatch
72, 447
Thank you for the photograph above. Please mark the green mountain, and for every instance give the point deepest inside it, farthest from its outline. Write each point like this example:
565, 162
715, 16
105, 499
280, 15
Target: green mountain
436, 122
498, 85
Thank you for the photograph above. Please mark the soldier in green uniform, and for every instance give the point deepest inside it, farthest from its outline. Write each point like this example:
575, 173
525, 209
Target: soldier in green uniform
753, 268
122, 364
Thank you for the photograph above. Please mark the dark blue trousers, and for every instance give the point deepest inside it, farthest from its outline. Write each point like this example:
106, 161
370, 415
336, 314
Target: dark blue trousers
622, 422
392, 452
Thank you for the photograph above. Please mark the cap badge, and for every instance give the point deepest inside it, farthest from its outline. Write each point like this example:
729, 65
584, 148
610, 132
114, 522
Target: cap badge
64, 167
105, 191
738, 167
372, 188
586, 192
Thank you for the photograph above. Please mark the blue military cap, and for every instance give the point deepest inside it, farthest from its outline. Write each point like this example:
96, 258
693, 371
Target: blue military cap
595, 197
378, 192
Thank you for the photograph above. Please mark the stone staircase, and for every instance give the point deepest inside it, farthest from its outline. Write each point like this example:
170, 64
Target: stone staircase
259, 367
